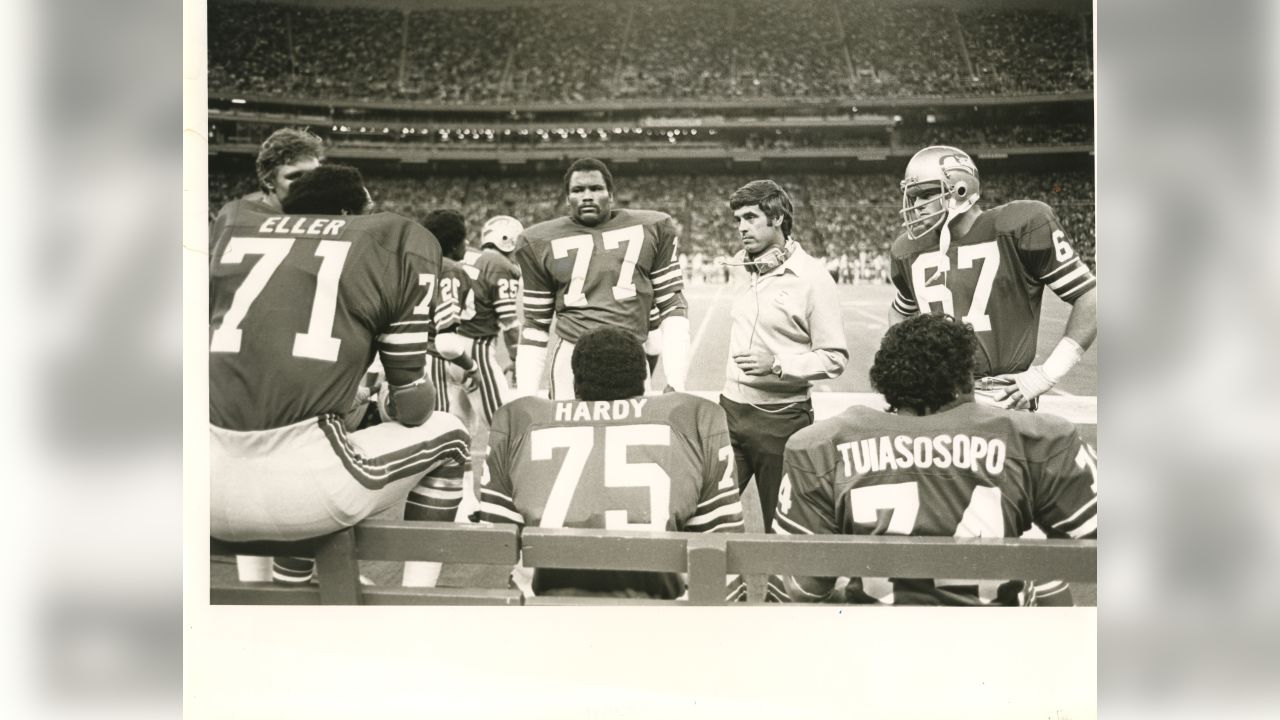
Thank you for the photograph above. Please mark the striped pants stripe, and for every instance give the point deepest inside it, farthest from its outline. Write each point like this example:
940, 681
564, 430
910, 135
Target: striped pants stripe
494, 389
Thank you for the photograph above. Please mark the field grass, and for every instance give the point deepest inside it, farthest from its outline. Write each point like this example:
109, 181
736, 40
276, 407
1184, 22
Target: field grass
864, 308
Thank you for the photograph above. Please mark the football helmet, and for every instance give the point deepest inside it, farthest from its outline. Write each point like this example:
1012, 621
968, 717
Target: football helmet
501, 232
946, 169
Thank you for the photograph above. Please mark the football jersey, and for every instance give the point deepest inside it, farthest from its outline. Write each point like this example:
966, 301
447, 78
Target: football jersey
648, 463
607, 275
495, 292
298, 306
455, 292
253, 202
969, 471
993, 278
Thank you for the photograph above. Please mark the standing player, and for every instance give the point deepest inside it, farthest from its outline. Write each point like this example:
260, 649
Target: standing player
990, 269
938, 465
299, 305
491, 308
612, 459
450, 348
282, 158
598, 267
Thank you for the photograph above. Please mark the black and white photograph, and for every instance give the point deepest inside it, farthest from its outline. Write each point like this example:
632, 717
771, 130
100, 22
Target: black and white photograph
740, 304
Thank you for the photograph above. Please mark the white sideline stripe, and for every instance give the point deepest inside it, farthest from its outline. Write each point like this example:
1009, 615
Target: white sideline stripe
1079, 409
702, 329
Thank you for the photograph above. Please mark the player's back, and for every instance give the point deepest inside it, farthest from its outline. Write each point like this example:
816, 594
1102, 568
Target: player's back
970, 471
495, 292
646, 463
295, 305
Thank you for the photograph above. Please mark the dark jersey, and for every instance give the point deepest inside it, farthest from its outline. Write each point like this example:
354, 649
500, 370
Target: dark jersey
298, 305
607, 275
253, 202
970, 471
648, 463
455, 292
993, 277
495, 293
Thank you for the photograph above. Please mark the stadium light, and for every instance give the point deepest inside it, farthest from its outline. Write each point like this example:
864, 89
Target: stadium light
237, 101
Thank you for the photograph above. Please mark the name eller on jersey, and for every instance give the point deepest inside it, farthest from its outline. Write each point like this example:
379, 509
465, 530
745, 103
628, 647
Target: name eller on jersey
595, 411
905, 452
280, 224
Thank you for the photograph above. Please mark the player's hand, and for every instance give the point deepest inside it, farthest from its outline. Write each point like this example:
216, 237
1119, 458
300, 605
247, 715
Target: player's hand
1024, 387
471, 379
755, 362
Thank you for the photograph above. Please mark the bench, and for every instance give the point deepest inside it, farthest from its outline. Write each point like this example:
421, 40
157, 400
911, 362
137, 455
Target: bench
706, 559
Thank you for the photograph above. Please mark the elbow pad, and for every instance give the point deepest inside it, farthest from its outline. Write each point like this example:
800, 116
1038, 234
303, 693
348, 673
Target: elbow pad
675, 351
450, 345
410, 404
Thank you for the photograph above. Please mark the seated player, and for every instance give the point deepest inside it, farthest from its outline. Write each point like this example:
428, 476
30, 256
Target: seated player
612, 459
937, 464
300, 303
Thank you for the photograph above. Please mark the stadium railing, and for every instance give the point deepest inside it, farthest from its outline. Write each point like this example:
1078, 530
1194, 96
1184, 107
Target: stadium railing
706, 558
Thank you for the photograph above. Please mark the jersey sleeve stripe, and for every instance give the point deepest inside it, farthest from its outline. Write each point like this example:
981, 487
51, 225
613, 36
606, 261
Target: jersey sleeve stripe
1093, 503
404, 323
537, 302
530, 292
404, 338
795, 527
436, 494
722, 527
1080, 287
504, 499
404, 353
1059, 283
905, 306
733, 510
1066, 268
1089, 527
667, 277
731, 493
496, 513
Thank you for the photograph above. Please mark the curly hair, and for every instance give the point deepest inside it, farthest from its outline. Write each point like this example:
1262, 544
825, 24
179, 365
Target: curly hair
587, 165
774, 202
327, 190
284, 146
608, 364
450, 228
925, 362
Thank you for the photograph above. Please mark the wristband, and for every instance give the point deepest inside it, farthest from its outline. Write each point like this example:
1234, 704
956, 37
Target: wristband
1062, 359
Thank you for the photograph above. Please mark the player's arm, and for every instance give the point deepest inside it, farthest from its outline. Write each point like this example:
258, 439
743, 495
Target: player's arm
719, 507
1065, 505
539, 299
805, 507
668, 298
408, 396
904, 303
828, 351
1048, 255
506, 294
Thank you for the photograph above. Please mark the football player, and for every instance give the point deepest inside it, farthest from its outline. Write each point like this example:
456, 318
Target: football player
989, 268
300, 302
598, 267
612, 459
450, 229
937, 464
283, 157
491, 308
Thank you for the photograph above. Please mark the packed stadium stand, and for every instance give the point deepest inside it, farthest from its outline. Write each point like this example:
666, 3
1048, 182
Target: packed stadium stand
556, 52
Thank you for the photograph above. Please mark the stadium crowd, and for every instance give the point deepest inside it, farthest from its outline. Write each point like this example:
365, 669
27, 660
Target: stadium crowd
553, 52
835, 214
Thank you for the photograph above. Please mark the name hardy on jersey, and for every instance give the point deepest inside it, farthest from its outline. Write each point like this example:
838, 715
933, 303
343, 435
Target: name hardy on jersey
904, 452
595, 411
279, 224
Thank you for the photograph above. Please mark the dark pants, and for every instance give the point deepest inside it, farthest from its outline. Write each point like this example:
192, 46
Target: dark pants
759, 434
